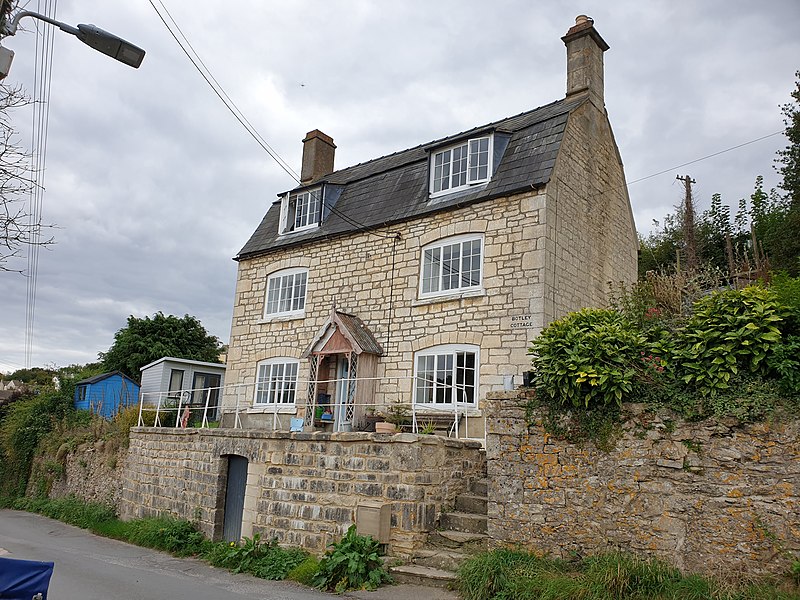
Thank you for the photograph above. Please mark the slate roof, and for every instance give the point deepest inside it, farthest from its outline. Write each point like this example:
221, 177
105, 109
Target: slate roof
395, 187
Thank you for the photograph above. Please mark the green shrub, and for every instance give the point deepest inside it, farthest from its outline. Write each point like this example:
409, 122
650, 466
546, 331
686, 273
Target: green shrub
729, 331
264, 560
588, 359
353, 563
87, 515
305, 571
177, 536
24, 424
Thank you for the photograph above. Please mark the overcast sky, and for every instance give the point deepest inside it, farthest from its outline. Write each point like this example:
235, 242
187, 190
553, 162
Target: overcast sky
155, 187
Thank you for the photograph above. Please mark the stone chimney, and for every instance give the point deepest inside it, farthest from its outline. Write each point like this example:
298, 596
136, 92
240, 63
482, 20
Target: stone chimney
585, 50
318, 151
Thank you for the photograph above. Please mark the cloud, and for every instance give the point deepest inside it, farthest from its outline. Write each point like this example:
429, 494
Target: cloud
155, 186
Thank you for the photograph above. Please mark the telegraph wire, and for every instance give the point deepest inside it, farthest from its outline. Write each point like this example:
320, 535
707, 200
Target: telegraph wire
41, 119
206, 74
697, 160
209, 78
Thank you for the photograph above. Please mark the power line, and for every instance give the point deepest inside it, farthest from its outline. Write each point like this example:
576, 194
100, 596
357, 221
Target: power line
219, 90
41, 119
209, 78
697, 160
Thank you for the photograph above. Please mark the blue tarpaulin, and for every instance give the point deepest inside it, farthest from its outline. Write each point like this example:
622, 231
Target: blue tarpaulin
23, 579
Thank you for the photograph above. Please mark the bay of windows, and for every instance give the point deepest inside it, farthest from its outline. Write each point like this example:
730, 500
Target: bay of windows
460, 166
286, 292
276, 381
446, 374
451, 266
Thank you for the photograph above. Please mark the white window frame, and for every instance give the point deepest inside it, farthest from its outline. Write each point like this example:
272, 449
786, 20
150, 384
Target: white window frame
444, 162
298, 216
437, 358
276, 382
297, 303
443, 247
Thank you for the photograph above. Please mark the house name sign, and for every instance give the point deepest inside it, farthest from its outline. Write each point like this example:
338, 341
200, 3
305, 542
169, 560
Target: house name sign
522, 322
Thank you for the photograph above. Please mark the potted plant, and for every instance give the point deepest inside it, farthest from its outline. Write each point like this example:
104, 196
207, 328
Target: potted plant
395, 415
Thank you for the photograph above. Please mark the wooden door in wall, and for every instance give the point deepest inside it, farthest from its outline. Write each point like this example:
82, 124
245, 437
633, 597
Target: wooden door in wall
234, 498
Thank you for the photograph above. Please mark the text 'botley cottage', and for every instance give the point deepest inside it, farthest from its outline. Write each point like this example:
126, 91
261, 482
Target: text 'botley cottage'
419, 278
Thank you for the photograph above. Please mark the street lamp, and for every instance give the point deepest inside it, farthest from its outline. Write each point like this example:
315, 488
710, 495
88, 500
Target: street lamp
91, 35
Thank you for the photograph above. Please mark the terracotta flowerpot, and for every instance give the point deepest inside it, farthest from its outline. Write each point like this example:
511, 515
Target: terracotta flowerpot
384, 427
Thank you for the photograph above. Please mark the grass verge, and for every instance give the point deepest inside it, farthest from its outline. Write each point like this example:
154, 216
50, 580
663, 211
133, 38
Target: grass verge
266, 560
510, 574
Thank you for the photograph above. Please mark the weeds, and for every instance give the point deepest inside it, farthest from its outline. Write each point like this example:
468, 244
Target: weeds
515, 575
353, 563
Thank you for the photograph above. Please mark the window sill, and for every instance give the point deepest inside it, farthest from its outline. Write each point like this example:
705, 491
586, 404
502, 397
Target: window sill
449, 297
283, 318
281, 409
305, 229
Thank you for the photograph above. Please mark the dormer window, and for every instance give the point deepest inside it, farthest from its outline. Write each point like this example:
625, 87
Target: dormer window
301, 210
460, 166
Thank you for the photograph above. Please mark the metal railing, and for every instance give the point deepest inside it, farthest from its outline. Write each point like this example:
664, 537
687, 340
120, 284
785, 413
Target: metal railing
229, 403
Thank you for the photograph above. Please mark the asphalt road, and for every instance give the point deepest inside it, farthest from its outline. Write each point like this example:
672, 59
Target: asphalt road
88, 567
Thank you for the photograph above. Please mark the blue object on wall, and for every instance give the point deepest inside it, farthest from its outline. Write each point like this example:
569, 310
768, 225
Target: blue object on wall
106, 394
23, 579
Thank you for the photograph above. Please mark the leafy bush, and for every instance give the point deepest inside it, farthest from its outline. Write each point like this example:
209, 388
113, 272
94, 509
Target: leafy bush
176, 536
588, 359
353, 563
264, 560
728, 331
24, 424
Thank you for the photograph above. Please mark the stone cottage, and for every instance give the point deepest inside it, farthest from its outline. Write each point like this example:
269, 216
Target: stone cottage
420, 277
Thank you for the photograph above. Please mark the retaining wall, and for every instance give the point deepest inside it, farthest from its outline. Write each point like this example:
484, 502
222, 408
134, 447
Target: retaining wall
711, 497
302, 488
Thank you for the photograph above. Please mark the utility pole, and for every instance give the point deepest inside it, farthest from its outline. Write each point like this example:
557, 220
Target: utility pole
689, 238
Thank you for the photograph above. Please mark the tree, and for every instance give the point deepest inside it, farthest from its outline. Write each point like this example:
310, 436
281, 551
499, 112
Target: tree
18, 228
144, 340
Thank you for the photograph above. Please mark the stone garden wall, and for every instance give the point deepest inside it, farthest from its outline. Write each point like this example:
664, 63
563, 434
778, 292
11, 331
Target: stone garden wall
717, 498
302, 488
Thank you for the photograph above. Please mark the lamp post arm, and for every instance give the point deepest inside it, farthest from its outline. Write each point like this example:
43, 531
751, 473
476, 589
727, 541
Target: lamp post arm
11, 28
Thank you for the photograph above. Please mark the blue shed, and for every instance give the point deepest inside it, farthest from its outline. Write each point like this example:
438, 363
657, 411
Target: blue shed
105, 394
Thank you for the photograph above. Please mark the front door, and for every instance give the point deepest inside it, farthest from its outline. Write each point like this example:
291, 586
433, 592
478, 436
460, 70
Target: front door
345, 385
234, 498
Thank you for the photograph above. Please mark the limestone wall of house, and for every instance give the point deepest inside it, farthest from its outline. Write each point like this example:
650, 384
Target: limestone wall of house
591, 234
302, 488
710, 497
355, 272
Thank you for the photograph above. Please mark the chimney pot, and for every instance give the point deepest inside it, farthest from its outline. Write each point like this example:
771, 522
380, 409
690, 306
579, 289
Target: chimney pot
585, 50
318, 155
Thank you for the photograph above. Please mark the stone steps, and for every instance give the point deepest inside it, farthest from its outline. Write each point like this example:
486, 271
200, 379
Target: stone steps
472, 503
421, 575
446, 559
464, 522
461, 534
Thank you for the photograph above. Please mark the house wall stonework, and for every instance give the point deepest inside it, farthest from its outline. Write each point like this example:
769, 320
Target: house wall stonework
302, 488
355, 273
707, 497
546, 252
591, 235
